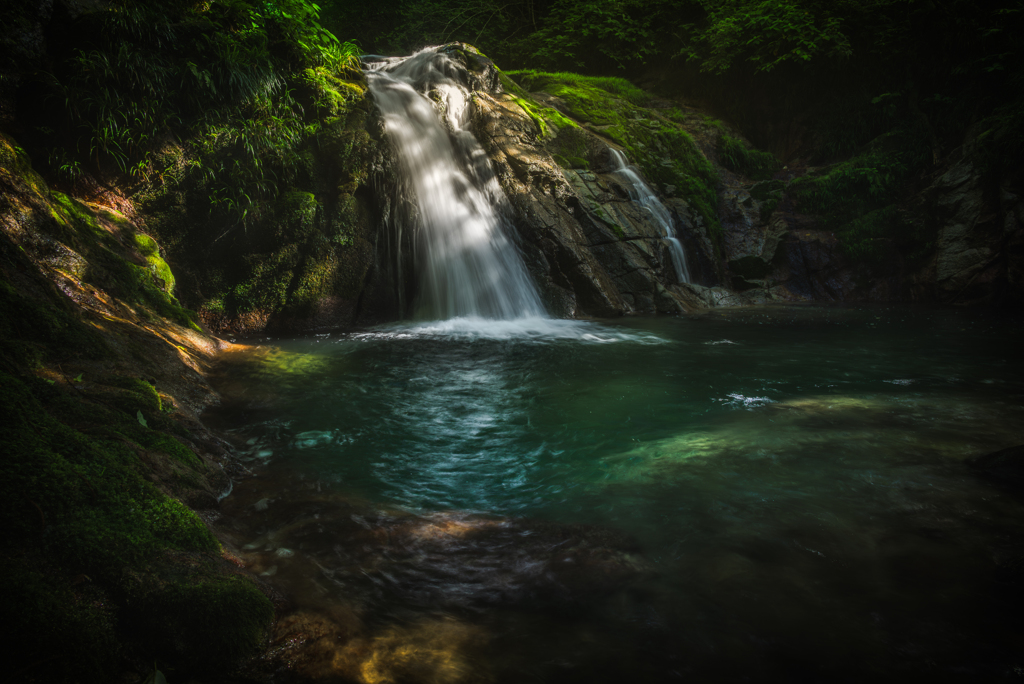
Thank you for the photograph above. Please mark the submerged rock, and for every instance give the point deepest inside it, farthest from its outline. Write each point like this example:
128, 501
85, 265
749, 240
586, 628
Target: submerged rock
438, 561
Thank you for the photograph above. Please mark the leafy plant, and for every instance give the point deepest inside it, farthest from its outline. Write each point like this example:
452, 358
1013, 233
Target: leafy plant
752, 163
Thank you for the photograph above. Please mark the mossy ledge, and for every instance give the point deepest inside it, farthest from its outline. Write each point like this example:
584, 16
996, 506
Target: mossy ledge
617, 110
107, 565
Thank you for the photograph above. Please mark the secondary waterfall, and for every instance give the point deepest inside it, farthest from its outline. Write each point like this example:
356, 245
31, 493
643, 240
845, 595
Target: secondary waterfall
642, 194
467, 263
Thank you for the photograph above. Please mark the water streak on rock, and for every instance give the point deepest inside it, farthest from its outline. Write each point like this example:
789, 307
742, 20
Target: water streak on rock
642, 194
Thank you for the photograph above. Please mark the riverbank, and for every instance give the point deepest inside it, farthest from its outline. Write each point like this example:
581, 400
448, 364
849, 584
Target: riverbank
111, 482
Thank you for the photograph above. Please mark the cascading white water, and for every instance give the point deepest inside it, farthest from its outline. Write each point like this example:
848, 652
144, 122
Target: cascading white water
642, 194
468, 266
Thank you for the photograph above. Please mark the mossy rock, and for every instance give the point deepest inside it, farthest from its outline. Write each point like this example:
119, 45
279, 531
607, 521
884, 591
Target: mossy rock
294, 215
82, 519
16, 162
144, 393
769, 189
740, 157
613, 107
44, 327
83, 485
160, 269
66, 627
206, 624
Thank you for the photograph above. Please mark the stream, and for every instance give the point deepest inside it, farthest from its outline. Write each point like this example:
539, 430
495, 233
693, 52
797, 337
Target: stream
757, 494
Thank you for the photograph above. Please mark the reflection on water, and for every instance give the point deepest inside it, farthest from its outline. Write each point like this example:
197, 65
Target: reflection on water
752, 494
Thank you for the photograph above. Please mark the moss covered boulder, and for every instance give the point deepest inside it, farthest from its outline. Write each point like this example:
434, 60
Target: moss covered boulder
104, 461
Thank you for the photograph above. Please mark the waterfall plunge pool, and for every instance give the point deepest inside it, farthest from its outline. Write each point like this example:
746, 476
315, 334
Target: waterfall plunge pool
761, 494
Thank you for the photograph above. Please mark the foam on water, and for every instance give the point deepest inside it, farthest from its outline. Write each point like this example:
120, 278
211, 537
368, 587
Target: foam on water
527, 329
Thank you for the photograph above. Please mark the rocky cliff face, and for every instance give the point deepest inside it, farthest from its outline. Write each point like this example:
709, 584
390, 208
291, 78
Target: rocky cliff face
333, 250
978, 224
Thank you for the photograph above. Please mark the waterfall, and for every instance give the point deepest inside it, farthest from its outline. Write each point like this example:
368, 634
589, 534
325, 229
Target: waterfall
642, 194
468, 265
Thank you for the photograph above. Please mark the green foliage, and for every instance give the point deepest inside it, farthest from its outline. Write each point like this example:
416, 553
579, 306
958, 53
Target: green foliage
880, 233
768, 33
247, 80
619, 87
752, 163
856, 198
866, 182
605, 33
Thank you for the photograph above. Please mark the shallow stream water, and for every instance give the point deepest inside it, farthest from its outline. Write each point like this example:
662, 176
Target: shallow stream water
763, 494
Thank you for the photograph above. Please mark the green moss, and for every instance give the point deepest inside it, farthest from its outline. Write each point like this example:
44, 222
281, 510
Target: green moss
619, 87
76, 504
665, 153
333, 95
211, 625
71, 212
135, 285
150, 286
570, 148
266, 288
586, 102
531, 109
151, 252
295, 212
33, 330
66, 631
511, 86
82, 493
148, 397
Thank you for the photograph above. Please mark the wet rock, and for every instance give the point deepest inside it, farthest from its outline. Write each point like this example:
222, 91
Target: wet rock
443, 560
586, 242
979, 235
334, 646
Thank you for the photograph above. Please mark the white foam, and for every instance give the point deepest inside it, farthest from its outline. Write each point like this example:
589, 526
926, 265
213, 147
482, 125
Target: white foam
529, 329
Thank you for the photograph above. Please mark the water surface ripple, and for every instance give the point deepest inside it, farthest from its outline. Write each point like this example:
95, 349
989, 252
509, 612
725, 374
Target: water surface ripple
757, 494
